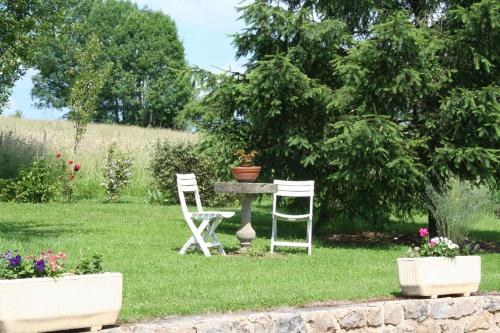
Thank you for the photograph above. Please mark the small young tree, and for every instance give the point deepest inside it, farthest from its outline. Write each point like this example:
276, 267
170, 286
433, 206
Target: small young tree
84, 94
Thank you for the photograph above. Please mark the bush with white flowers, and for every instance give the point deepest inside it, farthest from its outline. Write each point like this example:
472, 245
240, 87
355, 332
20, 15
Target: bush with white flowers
117, 172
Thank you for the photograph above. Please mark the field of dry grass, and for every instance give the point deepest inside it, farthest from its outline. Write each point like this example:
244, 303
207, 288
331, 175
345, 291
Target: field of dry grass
57, 136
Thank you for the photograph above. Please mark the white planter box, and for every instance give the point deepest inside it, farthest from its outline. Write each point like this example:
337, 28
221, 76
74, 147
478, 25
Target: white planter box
433, 276
47, 304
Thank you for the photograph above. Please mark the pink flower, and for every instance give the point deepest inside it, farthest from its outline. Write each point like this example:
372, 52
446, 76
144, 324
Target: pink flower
77, 167
432, 242
423, 232
70, 162
58, 155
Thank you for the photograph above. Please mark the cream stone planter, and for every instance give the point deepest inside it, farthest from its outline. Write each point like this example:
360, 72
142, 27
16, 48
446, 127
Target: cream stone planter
48, 304
434, 276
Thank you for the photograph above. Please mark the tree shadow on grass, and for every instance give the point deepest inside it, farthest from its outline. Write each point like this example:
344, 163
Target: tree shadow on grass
262, 223
395, 234
32, 230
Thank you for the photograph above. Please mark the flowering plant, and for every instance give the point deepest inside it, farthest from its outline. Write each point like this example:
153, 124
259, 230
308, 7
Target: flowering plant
435, 247
117, 172
47, 264
66, 175
15, 266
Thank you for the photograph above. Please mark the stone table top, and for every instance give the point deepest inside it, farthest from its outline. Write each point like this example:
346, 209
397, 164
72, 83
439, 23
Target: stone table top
250, 188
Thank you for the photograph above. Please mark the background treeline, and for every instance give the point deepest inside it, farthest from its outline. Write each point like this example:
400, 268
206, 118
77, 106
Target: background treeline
148, 83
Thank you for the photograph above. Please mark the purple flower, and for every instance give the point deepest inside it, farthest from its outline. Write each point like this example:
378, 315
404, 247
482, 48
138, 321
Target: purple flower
15, 261
40, 265
7, 255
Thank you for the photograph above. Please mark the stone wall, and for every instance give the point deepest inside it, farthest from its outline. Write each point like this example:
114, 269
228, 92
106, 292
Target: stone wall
443, 315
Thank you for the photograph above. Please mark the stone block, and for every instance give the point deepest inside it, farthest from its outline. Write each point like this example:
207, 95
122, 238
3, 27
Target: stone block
393, 313
464, 307
353, 319
428, 326
289, 323
452, 326
492, 304
405, 329
418, 310
262, 324
442, 309
374, 316
321, 322
478, 322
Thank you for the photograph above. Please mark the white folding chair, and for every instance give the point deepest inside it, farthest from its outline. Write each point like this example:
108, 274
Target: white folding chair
204, 235
293, 189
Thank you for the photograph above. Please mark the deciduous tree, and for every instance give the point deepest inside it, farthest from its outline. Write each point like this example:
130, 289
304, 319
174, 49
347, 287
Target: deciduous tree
146, 85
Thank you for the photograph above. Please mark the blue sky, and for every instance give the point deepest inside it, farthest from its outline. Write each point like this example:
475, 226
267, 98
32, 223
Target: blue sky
203, 26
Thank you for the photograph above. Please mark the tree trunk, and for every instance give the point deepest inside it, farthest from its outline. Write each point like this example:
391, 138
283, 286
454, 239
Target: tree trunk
432, 224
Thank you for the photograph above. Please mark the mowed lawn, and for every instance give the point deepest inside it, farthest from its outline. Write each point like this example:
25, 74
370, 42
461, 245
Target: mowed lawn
142, 242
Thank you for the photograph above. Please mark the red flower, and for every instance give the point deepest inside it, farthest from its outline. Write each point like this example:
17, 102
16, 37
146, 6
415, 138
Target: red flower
70, 162
77, 167
72, 176
58, 155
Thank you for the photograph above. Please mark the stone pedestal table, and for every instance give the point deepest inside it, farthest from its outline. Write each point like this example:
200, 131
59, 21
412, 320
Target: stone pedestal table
246, 193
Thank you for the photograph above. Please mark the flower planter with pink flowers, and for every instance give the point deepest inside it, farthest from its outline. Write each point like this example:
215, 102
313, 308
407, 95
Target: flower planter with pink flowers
38, 295
67, 302
435, 269
435, 276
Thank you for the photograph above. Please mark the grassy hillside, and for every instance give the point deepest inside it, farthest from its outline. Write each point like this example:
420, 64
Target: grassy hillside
57, 136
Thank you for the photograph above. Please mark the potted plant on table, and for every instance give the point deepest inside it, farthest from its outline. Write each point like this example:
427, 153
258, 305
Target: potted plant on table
443, 265
246, 171
38, 294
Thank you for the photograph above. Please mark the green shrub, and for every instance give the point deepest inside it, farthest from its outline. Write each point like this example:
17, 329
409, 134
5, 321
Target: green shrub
7, 189
457, 206
171, 158
42, 181
36, 183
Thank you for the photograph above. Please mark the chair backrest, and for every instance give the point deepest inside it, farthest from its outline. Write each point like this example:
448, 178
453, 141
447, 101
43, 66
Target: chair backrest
296, 189
187, 183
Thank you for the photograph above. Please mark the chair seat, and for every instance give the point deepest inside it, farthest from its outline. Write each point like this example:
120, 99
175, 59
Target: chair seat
210, 214
288, 217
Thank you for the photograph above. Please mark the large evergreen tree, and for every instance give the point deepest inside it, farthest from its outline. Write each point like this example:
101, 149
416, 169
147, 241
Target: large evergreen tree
368, 98
147, 85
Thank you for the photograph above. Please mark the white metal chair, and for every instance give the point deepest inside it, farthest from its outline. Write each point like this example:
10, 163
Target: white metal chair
293, 189
204, 235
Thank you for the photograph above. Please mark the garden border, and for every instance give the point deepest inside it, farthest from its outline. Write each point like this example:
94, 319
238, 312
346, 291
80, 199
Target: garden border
460, 314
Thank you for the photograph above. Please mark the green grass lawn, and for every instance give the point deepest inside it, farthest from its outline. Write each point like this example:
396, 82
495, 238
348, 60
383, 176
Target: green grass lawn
142, 242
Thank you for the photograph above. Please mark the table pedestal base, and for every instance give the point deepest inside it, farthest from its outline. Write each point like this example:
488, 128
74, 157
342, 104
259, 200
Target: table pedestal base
245, 233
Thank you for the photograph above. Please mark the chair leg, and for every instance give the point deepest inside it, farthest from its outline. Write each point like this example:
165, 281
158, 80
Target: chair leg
273, 234
197, 238
186, 246
309, 236
214, 237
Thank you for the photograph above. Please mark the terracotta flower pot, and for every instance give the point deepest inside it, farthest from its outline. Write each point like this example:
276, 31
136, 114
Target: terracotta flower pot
245, 174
